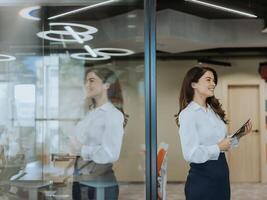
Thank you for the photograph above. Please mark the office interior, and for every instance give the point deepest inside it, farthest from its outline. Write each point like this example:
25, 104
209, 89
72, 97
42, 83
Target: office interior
43, 58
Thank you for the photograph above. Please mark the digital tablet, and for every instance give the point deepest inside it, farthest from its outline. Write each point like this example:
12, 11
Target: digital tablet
240, 132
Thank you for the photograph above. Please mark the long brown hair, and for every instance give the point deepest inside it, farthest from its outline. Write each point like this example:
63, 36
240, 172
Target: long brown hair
114, 91
187, 92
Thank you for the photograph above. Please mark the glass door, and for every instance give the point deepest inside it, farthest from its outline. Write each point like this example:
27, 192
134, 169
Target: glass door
72, 100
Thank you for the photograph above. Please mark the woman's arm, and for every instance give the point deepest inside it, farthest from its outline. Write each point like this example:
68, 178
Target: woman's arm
193, 151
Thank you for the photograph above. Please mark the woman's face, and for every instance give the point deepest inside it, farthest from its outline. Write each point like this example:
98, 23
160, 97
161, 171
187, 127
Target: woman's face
205, 85
94, 86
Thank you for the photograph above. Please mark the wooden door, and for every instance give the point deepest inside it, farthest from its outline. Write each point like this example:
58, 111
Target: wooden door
244, 161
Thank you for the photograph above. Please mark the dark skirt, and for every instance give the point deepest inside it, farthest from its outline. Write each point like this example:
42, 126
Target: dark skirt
89, 175
111, 193
208, 181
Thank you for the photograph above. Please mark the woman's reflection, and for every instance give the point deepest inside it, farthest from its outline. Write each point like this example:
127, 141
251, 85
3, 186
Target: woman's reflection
98, 137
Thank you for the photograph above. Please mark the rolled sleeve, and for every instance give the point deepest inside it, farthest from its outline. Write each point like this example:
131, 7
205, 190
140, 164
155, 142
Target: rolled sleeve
234, 142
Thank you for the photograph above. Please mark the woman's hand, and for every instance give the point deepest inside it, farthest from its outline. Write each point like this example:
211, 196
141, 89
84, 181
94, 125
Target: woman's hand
248, 127
225, 144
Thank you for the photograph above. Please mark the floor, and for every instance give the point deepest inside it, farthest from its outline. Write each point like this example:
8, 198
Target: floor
244, 191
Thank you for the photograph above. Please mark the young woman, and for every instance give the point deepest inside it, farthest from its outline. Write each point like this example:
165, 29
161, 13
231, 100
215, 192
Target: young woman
203, 135
99, 135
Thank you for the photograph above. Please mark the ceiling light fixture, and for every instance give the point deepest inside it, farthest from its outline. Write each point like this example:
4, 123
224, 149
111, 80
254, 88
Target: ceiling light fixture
4, 58
131, 26
114, 51
222, 8
82, 9
90, 51
83, 35
27, 13
63, 42
102, 54
131, 15
74, 34
84, 56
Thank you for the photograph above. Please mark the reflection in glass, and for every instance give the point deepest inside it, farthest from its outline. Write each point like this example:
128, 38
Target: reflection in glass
98, 136
43, 99
25, 105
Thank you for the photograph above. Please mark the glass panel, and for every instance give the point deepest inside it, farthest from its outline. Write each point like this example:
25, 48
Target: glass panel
72, 117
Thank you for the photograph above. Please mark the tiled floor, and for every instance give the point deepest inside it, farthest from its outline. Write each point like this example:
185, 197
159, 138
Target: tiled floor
244, 191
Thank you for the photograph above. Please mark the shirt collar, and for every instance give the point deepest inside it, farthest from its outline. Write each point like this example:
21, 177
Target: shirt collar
104, 107
196, 106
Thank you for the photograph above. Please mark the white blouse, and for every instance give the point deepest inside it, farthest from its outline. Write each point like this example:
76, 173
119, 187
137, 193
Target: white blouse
100, 134
201, 129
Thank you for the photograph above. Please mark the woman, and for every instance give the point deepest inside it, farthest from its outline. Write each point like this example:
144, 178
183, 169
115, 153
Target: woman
203, 135
99, 135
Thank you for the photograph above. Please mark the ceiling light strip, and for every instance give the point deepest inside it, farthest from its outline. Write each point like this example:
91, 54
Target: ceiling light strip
90, 51
4, 58
74, 34
82, 9
27, 13
222, 8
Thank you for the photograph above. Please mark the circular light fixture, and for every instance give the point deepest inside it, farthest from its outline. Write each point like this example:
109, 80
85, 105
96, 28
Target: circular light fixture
84, 56
104, 53
85, 35
45, 35
90, 29
27, 13
5, 58
114, 51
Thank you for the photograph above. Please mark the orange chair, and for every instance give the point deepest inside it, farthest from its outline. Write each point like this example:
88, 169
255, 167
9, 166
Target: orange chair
162, 170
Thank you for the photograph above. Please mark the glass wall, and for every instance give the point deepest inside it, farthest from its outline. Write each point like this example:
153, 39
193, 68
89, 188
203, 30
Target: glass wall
72, 117
189, 34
